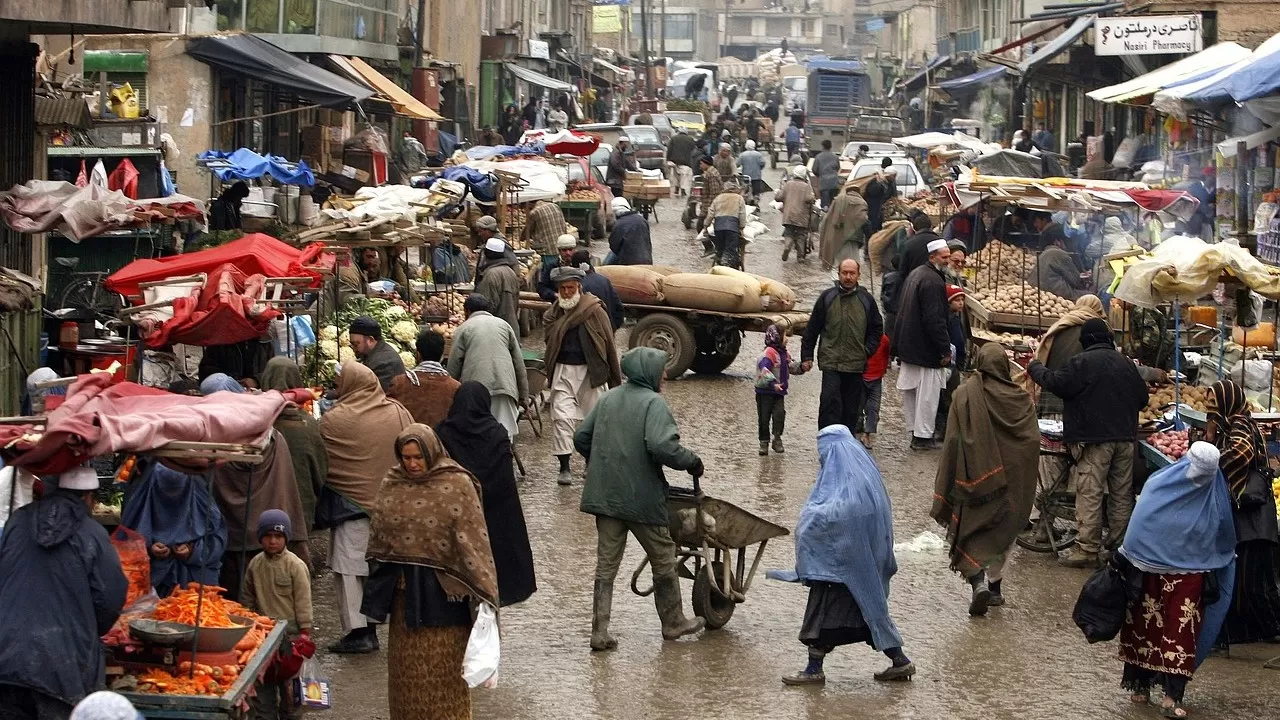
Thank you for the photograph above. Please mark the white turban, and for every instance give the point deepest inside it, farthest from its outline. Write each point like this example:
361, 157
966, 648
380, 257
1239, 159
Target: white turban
751, 144
105, 705
936, 245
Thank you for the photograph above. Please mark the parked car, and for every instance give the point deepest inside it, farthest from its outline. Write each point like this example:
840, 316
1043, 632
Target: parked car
877, 150
909, 179
693, 122
600, 160
660, 123
651, 153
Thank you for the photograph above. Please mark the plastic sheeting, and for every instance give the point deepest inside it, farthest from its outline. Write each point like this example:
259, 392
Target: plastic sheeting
1189, 268
563, 142
222, 312
252, 254
386, 201
544, 181
1210, 60
83, 212
1011, 163
245, 164
972, 83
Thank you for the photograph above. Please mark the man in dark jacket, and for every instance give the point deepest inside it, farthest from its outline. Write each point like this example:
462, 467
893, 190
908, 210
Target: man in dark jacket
826, 166
627, 438
565, 246
1102, 394
921, 341
596, 284
620, 161
916, 252
848, 322
61, 589
629, 241
374, 352
680, 152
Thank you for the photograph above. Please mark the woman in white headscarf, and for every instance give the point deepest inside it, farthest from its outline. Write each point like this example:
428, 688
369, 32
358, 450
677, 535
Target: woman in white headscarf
105, 705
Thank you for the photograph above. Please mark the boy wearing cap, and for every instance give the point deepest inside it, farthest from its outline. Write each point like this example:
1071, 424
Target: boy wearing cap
955, 331
277, 584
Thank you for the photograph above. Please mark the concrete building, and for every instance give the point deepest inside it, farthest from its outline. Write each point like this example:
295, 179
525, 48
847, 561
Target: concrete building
1248, 22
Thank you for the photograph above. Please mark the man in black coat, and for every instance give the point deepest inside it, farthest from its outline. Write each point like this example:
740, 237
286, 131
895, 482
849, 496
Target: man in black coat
680, 152
566, 244
629, 241
1102, 395
61, 589
846, 320
915, 252
923, 344
600, 286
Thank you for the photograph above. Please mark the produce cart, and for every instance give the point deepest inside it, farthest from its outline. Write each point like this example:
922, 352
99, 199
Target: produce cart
704, 341
708, 532
581, 214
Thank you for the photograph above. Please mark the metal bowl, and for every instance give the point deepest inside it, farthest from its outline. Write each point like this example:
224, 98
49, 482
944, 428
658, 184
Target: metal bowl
158, 632
222, 639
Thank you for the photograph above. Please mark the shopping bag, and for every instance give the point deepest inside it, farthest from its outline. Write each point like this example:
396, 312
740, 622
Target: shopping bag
134, 560
480, 663
311, 687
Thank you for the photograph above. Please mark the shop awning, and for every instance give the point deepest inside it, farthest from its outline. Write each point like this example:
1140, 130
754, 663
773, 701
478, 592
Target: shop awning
917, 81
399, 98
622, 73
1253, 77
254, 58
974, 82
1057, 45
1204, 62
1262, 137
537, 78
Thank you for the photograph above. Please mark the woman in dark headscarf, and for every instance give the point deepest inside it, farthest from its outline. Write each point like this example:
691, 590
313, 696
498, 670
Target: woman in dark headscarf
431, 564
478, 442
302, 431
1255, 608
184, 529
986, 479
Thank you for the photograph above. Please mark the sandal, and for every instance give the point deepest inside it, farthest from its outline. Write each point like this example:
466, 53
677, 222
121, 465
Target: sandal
1174, 711
1140, 698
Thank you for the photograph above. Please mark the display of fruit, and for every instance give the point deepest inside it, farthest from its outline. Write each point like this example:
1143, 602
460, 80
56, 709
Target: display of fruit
1192, 396
584, 194
444, 305
1001, 264
1173, 443
1022, 299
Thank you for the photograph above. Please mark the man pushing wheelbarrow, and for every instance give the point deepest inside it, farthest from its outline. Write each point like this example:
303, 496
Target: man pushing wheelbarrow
627, 492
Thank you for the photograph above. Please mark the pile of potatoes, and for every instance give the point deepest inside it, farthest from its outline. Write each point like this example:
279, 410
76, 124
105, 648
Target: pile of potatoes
1001, 264
1193, 396
1010, 340
1022, 299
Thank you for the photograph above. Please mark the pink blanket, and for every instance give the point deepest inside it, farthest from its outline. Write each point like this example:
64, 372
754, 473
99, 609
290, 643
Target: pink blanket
99, 418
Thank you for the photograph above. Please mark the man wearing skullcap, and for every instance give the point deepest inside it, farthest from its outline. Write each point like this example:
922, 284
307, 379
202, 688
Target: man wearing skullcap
921, 341
500, 283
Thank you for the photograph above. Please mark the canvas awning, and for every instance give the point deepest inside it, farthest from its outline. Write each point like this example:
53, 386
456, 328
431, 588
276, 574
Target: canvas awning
536, 78
1205, 62
974, 82
254, 58
917, 81
1051, 49
400, 100
622, 73
1253, 77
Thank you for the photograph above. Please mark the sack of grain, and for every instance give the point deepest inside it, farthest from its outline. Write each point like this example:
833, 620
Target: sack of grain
780, 297
717, 293
663, 270
879, 243
757, 289
634, 283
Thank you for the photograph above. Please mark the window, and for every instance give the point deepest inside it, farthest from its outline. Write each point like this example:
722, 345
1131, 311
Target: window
229, 14
300, 17
740, 26
777, 27
809, 27
262, 16
678, 27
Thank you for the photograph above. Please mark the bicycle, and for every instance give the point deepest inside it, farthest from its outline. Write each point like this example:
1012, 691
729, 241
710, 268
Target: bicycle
1055, 528
87, 291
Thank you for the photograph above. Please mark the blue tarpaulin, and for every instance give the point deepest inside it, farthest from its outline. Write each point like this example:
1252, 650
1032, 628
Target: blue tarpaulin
917, 81
484, 152
1260, 77
480, 184
822, 62
974, 82
245, 164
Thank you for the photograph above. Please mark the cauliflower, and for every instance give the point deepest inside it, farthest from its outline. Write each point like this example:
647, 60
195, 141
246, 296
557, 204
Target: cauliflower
344, 338
395, 311
405, 332
346, 355
329, 349
408, 359
329, 332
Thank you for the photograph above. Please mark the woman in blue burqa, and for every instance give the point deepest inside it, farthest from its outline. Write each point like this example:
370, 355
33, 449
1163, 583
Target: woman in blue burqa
844, 554
1181, 537
185, 533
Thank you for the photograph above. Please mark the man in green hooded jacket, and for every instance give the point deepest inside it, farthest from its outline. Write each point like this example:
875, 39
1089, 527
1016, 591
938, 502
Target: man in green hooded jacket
627, 438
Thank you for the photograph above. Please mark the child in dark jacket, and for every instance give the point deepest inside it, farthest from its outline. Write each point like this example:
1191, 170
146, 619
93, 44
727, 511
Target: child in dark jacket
773, 375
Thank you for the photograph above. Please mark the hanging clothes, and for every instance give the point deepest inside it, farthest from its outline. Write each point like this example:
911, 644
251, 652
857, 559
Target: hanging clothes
124, 178
83, 178
99, 175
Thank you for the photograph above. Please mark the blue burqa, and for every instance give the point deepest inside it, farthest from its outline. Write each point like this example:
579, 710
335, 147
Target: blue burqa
173, 508
1182, 524
845, 532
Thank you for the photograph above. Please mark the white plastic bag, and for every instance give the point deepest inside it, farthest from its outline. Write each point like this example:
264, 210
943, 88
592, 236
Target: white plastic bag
480, 664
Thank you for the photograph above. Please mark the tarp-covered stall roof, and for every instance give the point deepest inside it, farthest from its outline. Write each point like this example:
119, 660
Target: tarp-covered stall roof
1051, 49
974, 82
257, 59
1207, 61
399, 98
536, 78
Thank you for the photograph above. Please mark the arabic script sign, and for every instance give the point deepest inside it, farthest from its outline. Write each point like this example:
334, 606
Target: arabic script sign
1148, 35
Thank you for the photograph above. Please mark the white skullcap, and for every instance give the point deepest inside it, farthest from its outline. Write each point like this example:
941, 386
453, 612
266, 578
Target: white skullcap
620, 205
78, 478
105, 705
936, 245
1204, 460
725, 146
751, 144
494, 244
624, 138
799, 172
566, 242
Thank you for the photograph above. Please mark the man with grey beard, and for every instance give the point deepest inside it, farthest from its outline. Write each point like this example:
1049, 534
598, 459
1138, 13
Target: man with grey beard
581, 360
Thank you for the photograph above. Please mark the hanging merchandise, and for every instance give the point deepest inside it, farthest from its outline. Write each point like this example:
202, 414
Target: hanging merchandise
83, 178
99, 175
124, 178
167, 187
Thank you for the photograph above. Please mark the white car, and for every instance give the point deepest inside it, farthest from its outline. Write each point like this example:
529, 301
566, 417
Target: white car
909, 179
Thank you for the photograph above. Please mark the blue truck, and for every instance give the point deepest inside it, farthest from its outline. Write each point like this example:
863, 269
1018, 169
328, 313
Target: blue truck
839, 93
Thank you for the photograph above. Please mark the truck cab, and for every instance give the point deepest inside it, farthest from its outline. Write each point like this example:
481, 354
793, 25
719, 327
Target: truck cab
837, 88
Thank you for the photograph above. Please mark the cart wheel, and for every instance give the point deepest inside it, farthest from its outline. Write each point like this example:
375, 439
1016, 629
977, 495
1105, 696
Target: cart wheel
711, 359
669, 334
708, 604
1037, 538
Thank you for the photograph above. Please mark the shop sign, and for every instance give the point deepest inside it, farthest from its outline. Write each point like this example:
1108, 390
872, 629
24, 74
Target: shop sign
540, 49
1148, 35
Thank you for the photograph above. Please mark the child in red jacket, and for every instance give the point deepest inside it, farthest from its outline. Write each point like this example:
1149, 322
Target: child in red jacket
873, 378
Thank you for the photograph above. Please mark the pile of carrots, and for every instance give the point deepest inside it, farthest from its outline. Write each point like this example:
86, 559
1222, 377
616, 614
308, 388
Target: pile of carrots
180, 607
190, 680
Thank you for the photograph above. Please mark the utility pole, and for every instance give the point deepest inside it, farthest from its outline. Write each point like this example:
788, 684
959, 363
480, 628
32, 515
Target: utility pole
419, 78
644, 48
662, 32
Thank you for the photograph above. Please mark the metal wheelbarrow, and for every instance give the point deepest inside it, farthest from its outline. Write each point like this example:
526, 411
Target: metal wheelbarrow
709, 538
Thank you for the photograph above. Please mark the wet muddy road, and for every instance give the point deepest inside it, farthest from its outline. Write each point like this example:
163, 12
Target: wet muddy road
1026, 659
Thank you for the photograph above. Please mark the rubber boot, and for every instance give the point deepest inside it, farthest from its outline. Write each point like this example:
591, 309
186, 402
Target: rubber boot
666, 596
601, 608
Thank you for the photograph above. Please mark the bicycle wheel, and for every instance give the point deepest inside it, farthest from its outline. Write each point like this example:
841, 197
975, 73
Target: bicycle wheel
1048, 533
88, 294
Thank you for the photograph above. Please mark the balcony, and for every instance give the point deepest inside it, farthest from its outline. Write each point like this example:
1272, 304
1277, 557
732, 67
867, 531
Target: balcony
365, 28
85, 17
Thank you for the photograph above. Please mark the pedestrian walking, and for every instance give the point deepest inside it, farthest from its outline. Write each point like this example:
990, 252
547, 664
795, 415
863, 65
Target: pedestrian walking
845, 328
843, 230
773, 377
431, 568
712, 184
565, 246
826, 166
986, 481
629, 241
959, 343
1254, 614
374, 352
797, 200
1182, 542
302, 432
921, 341
62, 589
621, 161
357, 464
479, 443
277, 584
500, 283
873, 387
882, 188
729, 217
627, 438
581, 360
844, 554
680, 152
724, 162
183, 527
751, 163
487, 350
427, 390
1102, 394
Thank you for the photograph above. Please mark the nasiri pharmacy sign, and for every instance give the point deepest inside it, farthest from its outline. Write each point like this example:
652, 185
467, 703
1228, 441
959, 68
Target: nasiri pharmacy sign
1148, 35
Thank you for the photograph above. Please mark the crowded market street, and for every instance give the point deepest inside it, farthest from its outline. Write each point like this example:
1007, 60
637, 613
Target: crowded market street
1026, 659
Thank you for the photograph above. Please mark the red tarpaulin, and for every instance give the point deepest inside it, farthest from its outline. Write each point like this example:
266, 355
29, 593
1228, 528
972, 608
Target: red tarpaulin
223, 312
563, 142
98, 418
1162, 200
254, 254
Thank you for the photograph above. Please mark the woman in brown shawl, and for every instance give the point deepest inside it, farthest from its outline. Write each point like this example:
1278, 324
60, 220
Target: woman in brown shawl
1061, 343
302, 431
355, 433
1254, 615
986, 479
432, 566
840, 234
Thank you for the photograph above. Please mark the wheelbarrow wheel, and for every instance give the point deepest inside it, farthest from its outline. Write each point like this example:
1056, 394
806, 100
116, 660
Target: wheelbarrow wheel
708, 603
